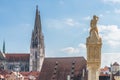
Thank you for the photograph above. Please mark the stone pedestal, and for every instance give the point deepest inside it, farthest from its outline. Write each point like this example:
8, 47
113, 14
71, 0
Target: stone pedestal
93, 74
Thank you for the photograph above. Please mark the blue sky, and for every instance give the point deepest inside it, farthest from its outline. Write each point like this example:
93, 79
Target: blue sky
65, 24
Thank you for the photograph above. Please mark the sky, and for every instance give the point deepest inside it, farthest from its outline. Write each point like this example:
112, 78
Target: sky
65, 25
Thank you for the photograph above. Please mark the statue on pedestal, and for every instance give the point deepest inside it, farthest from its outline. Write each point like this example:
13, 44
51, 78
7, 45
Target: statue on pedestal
93, 44
93, 24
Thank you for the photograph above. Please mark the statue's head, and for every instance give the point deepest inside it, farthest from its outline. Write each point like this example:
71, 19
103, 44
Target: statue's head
95, 17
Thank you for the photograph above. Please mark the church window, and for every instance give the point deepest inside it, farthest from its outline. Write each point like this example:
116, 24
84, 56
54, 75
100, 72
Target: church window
35, 55
26, 67
1, 66
36, 29
36, 42
33, 42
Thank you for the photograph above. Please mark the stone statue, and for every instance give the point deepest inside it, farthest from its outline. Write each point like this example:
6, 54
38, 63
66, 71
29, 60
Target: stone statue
93, 24
93, 45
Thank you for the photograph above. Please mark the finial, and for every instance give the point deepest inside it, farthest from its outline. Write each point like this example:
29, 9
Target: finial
36, 6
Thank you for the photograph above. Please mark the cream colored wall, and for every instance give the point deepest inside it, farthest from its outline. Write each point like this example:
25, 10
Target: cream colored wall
117, 77
115, 69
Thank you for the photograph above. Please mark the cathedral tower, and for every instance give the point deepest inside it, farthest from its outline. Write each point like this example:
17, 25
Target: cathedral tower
37, 51
93, 45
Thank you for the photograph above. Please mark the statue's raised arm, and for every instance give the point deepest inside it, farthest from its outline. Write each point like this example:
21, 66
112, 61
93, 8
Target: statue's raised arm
93, 24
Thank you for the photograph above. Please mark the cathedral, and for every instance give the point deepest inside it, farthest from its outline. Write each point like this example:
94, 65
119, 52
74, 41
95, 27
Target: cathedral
56, 68
27, 61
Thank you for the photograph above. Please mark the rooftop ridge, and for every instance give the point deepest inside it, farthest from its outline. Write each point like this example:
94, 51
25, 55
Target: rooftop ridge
17, 53
63, 57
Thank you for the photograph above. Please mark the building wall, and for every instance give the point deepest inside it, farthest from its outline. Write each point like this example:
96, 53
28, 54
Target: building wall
117, 77
115, 69
2, 64
17, 66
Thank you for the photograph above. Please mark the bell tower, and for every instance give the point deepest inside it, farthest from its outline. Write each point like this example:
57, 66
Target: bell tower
37, 49
93, 44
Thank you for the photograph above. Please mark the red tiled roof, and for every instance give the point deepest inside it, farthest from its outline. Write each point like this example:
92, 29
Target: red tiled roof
32, 73
64, 67
17, 56
104, 71
4, 72
106, 68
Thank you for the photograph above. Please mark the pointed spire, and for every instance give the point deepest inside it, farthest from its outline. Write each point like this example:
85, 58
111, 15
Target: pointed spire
36, 6
3, 46
37, 32
37, 26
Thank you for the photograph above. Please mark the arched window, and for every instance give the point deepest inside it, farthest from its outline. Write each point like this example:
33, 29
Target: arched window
35, 55
36, 42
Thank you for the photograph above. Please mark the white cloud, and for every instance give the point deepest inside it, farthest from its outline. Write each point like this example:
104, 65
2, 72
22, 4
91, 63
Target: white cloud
62, 23
81, 48
71, 22
110, 58
87, 18
117, 11
70, 50
100, 15
54, 23
112, 1
109, 34
113, 43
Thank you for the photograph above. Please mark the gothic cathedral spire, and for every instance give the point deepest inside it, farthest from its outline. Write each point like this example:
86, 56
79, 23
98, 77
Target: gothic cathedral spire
37, 32
37, 25
37, 51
